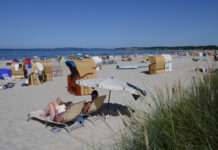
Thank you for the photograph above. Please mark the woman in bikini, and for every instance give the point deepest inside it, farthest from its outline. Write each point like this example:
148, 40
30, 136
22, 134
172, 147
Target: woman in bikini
52, 110
60, 116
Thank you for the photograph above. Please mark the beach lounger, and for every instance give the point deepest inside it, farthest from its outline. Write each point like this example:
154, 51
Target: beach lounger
8, 79
72, 113
95, 107
9, 82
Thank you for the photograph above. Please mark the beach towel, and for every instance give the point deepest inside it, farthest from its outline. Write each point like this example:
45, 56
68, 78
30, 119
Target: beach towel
40, 66
16, 67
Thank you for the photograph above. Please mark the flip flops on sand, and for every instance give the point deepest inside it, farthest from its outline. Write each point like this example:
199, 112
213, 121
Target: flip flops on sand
55, 129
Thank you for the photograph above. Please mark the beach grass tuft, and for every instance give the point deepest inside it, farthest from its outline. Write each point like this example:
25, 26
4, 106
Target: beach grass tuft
183, 118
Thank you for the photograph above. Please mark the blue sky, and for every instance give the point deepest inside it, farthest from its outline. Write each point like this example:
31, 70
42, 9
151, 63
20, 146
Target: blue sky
107, 23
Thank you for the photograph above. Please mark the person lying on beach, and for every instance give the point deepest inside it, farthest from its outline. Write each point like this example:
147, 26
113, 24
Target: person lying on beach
52, 109
195, 59
8, 85
86, 106
60, 116
201, 69
2, 86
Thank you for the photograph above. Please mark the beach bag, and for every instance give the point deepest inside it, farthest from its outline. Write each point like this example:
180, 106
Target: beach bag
79, 119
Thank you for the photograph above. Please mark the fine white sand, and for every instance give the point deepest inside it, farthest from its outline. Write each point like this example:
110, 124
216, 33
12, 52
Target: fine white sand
15, 103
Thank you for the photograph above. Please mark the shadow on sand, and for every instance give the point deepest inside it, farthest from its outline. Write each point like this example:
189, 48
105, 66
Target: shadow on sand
113, 109
146, 72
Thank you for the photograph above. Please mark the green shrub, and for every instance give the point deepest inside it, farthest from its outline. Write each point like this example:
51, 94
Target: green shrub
184, 119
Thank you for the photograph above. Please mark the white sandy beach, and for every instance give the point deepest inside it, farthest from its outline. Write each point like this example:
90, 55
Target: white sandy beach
16, 133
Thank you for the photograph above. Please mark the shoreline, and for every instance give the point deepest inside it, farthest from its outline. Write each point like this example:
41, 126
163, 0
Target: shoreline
116, 55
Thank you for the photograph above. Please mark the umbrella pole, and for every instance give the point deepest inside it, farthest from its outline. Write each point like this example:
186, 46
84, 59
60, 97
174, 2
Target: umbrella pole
108, 101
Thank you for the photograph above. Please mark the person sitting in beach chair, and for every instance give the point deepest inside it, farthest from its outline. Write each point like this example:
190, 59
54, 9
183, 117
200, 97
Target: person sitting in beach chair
59, 117
86, 106
2, 86
8, 85
56, 112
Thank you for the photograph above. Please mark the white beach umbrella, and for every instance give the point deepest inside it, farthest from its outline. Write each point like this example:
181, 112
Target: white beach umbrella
112, 84
108, 84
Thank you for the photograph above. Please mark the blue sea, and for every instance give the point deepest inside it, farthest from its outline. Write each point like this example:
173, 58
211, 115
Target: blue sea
9, 54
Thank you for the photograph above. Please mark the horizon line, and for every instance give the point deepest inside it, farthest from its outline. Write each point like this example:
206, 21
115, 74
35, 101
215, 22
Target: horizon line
116, 47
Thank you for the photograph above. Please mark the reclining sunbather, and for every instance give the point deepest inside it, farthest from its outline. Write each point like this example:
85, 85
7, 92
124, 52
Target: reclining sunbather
195, 59
8, 85
86, 106
60, 116
52, 110
2, 86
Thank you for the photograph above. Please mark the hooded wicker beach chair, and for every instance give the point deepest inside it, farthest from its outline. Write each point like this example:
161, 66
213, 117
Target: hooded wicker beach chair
80, 69
17, 70
157, 65
47, 69
72, 113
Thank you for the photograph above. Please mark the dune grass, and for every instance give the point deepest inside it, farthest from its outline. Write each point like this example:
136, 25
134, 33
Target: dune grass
183, 118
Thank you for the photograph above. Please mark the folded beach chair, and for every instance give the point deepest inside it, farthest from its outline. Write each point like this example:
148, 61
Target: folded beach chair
95, 107
8, 79
72, 113
9, 82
